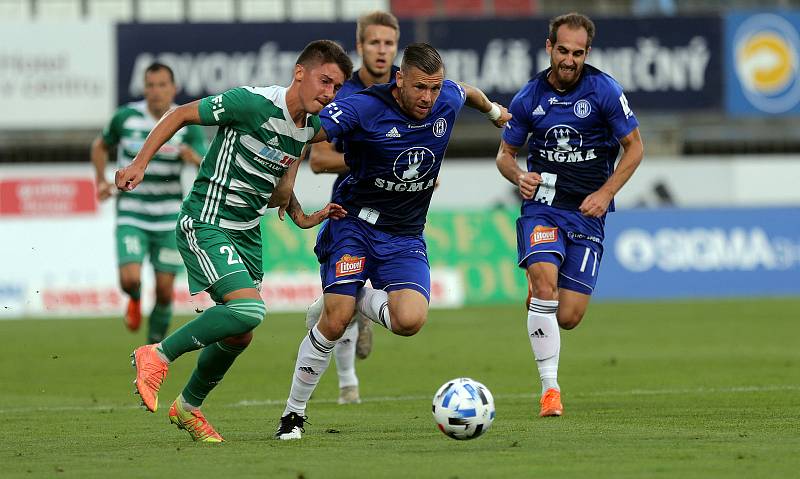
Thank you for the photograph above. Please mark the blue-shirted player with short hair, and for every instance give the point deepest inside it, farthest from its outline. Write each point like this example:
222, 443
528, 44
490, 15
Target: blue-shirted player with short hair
574, 118
396, 136
377, 36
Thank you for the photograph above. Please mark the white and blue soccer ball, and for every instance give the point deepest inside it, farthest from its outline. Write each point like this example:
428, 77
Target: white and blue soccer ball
463, 408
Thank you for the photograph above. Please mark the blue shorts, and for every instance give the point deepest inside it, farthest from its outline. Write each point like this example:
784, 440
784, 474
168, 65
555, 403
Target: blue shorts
566, 238
350, 251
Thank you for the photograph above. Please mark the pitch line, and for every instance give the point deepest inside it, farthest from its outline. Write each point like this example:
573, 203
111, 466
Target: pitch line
386, 399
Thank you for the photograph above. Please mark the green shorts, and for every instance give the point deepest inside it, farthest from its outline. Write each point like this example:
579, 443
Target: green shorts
133, 243
219, 260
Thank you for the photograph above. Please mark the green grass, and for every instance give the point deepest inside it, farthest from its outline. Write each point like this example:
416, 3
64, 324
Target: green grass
695, 389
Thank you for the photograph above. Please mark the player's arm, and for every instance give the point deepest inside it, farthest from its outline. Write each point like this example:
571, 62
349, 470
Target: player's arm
506, 160
477, 99
295, 211
282, 193
99, 157
129, 177
325, 158
596, 204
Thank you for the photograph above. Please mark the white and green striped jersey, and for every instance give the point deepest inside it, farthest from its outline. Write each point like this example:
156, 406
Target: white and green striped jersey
256, 143
154, 204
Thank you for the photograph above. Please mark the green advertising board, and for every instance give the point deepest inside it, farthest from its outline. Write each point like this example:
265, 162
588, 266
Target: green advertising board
480, 245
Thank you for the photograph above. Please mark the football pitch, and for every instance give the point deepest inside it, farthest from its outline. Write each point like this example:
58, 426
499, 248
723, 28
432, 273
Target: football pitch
691, 389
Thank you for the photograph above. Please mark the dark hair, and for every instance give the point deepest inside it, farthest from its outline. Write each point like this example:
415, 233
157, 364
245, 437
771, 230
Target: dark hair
422, 56
155, 66
384, 19
572, 20
320, 52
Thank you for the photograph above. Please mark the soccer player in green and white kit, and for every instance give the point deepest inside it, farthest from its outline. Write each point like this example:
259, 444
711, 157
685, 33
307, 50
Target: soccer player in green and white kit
251, 166
146, 217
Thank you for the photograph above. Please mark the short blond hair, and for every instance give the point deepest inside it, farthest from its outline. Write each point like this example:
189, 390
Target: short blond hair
377, 17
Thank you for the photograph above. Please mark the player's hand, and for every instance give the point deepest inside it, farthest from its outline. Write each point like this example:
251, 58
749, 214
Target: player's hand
596, 204
505, 116
528, 182
104, 189
129, 177
331, 210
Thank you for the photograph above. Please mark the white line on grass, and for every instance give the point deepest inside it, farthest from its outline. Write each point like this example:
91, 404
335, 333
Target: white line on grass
379, 399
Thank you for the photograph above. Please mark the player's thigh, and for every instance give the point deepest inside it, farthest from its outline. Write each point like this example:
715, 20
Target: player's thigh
581, 266
212, 259
163, 251
541, 249
343, 255
336, 314
132, 244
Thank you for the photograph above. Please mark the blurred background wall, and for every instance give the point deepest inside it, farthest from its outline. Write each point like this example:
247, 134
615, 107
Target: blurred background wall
712, 211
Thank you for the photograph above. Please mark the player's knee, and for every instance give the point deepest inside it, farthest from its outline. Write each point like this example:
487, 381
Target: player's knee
249, 312
130, 285
164, 296
240, 341
334, 322
569, 319
408, 324
544, 289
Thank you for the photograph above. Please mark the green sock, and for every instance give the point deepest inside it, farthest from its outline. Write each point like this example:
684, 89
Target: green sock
159, 322
212, 364
135, 295
215, 324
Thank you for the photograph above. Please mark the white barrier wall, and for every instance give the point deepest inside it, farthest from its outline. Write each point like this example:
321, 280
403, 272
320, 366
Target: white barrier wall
59, 250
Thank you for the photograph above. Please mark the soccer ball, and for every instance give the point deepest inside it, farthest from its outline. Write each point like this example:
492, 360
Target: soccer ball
463, 408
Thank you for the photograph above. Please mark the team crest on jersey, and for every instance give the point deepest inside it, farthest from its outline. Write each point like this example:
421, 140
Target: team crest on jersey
349, 265
582, 108
563, 138
413, 164
544, 234
439, 127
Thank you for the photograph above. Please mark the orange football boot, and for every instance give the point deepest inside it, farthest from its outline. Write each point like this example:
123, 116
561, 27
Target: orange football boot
150, 373
551, 403
133, 316
194, 423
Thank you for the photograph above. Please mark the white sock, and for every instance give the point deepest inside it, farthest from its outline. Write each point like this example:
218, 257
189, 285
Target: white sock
545, 340
374, 304
345, 355
313, 358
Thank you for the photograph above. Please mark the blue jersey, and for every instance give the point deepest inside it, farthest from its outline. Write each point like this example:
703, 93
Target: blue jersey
574, 135
352, 85
393, 159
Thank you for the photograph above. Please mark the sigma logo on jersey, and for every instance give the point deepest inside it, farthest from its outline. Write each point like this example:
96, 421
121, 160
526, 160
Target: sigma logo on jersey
349, 265
582, 108
413, 164
439, 127
563, 143
544, 234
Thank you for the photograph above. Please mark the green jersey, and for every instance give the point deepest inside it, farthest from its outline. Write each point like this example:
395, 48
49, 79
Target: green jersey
255, 145
155, 203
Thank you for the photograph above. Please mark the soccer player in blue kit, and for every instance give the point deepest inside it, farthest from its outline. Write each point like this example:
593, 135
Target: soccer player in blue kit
377, 35
396, 136
574, 117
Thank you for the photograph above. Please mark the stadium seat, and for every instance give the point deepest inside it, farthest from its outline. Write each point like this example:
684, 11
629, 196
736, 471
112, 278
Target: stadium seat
312, 10
59, 10
211, 11
463, 8
116, 10
262, 10
15, 10
161, 11
513, 8
414, 8
352, 9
